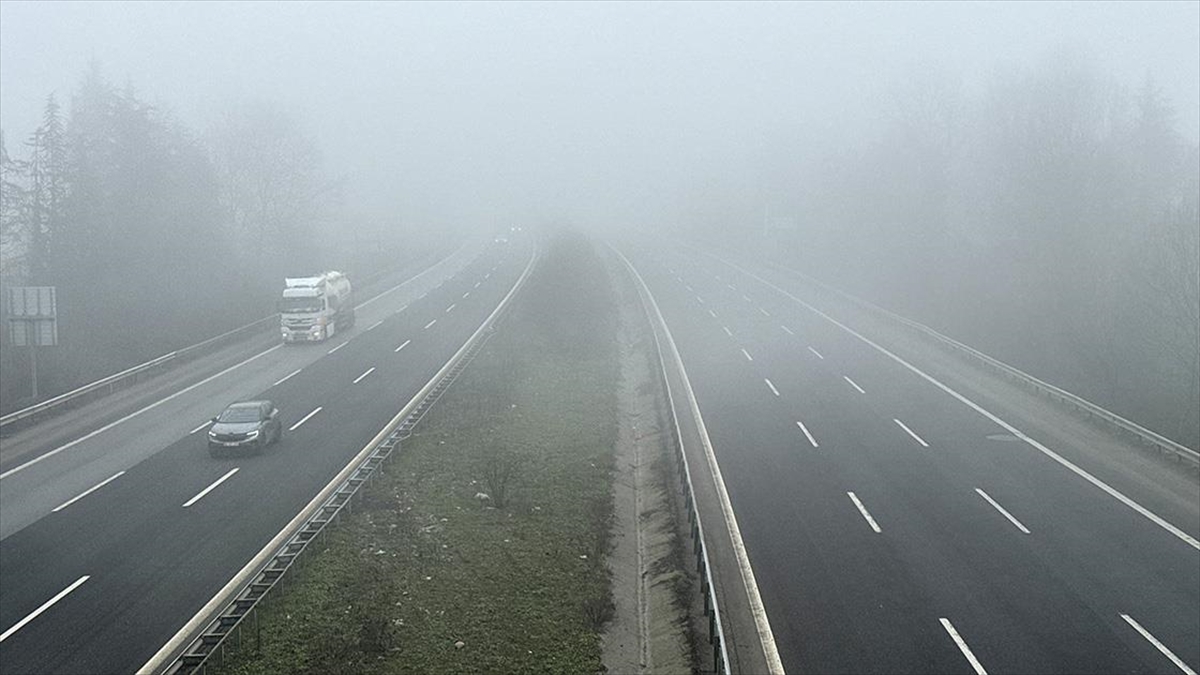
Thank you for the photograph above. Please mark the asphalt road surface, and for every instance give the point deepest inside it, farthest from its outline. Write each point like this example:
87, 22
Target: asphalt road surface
894, 527
114, 542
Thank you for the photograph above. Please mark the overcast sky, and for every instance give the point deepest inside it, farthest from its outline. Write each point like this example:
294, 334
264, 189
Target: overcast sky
474, 109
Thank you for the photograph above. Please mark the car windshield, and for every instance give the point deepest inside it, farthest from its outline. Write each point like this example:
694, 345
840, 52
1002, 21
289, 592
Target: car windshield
239, 414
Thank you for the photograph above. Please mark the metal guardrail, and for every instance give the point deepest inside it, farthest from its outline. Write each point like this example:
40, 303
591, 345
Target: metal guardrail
227, 614
109, 384
1079, 404
716, 631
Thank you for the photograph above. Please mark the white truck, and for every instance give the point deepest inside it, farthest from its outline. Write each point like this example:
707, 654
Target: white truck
315, 308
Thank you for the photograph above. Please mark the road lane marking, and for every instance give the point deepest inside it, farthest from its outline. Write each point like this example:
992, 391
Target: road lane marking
773, 389
806, 434
1001, 509
210, 488
911, 433
375, 325
816, 353
133, 414
487, 276
726, 329
45, 606
730, 287
466, 295
689, 288
863, 510
360, 377
747, 355
304, 419
787, 330
429, 324
853, 384
712, 314
287, 377
700, 299
1076, 469
1158, 645
477, 284
764, 312
451, 307
747, 298
87, 492
206, 423
962, 647
338, 347
402, 346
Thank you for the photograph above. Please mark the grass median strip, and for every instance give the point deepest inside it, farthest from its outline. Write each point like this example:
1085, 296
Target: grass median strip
481, 546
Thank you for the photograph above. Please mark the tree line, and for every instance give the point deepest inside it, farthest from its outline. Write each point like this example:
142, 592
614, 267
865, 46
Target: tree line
155, 236
1049, 218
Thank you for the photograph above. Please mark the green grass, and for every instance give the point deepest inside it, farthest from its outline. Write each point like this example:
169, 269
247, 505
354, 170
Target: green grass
422, 564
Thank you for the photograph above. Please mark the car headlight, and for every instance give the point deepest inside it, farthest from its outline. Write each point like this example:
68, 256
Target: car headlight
212, 434
252, 434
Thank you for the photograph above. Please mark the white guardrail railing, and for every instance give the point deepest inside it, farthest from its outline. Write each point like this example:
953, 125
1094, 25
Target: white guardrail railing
1079, 404
716, 631
109, 384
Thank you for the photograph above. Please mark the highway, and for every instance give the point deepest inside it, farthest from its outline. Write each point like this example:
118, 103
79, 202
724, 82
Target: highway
894, 517
115, 537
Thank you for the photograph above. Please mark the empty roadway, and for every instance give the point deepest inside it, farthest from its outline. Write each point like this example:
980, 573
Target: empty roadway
894, 528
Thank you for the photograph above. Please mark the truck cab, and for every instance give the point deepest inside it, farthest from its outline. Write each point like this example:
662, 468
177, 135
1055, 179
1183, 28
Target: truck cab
315, 308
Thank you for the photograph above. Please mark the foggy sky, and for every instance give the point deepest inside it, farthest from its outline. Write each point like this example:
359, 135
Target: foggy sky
603, 112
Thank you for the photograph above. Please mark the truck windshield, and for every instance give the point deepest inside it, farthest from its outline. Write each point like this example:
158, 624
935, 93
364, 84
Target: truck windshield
300, 305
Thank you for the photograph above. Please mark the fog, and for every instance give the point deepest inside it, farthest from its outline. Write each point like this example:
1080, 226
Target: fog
606, 113
1022, 176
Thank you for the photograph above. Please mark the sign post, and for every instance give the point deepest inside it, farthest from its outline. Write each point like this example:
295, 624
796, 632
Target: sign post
33, 321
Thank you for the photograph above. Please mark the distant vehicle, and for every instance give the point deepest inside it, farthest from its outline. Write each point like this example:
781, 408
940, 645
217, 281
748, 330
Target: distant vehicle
245, 425
501, 240
315, 308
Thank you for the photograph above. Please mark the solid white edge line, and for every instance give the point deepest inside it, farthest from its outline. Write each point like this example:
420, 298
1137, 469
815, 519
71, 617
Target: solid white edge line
45, 606
402, 346
87, 492
772, 386
429, 324
1012, 519
865, 514
338, 347
816, 353
962, 646
806, 434
911, 433
285, 378
1158, 645
1111, 491
854, 384
305, 418
175, 643
757, 609
360, 377
747, 355
131, 415
210, 488
375, 325
206, 423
